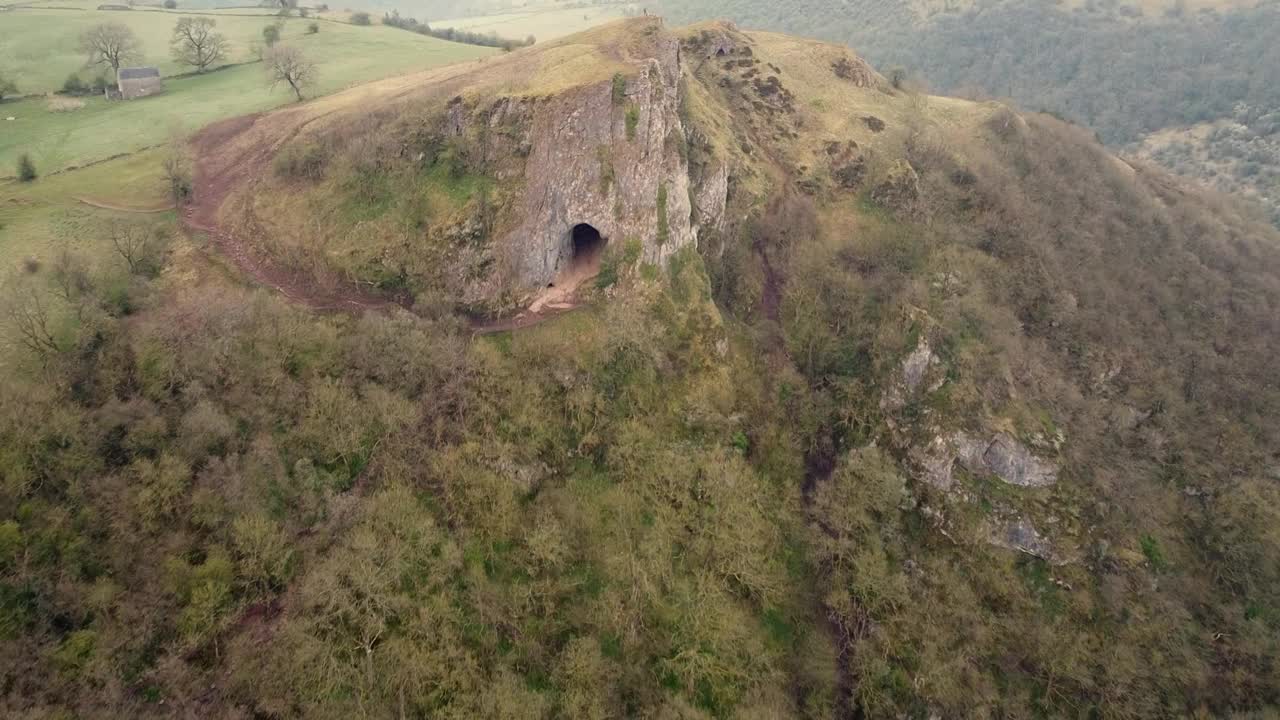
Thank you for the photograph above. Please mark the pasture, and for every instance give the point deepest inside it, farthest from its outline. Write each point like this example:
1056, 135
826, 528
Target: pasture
39, 44
345, 55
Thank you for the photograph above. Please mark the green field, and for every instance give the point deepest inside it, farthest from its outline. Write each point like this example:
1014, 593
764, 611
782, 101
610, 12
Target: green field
38, 46
542, 24
346, 55
41, 219
38, 49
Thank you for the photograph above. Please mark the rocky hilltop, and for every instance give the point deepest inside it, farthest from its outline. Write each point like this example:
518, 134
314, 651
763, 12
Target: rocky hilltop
583, 133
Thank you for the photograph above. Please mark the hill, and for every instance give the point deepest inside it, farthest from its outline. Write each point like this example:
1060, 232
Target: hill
1125, 70
865, 402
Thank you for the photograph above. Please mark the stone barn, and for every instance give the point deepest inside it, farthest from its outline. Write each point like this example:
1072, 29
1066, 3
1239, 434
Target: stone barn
140, 82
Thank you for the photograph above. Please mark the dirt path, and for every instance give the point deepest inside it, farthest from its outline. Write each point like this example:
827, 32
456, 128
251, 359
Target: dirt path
121, 208
222, 165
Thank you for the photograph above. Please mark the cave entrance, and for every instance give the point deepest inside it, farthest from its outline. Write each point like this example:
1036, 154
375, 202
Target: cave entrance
588, 246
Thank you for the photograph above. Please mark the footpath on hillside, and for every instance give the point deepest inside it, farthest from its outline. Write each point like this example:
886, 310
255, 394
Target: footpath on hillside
217, 176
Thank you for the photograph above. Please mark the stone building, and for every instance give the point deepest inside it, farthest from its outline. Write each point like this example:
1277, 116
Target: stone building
139, 82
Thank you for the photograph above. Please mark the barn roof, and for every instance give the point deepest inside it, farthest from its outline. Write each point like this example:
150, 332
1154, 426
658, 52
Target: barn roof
139, 73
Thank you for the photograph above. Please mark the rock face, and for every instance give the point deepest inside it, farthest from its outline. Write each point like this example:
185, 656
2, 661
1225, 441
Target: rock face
1001, 455
609, 157
710, 199
911, 380
1020, 535
1008, 460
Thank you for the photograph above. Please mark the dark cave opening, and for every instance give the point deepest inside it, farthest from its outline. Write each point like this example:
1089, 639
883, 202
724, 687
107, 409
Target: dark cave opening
588, 244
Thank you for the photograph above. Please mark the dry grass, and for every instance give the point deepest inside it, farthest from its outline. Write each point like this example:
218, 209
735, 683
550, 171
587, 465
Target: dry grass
64, 104
544, 69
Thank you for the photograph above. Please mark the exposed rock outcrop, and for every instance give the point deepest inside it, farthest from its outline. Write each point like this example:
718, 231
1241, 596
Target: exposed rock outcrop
1013, 463
918, 374
608, 159
855, 70
1001, 456
710, 198
899, 190
1019, 534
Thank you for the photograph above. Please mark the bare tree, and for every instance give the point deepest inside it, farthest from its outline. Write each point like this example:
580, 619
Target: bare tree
195, 43
288, 64
27, 310
137, 245
176, 166
110, 44
71, 280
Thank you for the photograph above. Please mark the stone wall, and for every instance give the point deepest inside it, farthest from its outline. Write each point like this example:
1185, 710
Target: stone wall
141, 87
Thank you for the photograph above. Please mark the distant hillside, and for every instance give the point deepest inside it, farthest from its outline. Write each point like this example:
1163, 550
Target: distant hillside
1120, 69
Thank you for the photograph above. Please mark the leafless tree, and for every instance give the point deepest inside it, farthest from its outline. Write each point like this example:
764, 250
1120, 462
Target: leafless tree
111, 44
288, 64
136, 245
195, 43
71, 280
29, 312
176, 166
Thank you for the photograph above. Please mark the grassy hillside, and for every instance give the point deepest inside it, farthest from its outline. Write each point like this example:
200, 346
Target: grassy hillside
345, 55
41, 222
1124, 70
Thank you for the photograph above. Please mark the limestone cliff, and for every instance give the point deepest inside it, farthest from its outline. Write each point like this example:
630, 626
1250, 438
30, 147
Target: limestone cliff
611, 153
608, 155
469, 182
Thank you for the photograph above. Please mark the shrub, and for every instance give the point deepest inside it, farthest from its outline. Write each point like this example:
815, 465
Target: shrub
608, 275
298, 163
170, 4
664, 225
74, 85
633, 121
619, 88
313, 28
7, 87
1151, 549
26, 168
897, 77
62, 104
360, 18
271, 35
